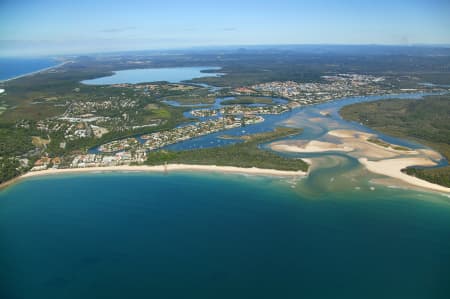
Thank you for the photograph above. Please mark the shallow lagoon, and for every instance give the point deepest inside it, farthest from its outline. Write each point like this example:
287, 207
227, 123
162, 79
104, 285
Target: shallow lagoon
172, 75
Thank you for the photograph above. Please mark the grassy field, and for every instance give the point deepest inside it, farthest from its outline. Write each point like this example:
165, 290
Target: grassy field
193, 96
246, 154
157, 111
385, 144
426, 121
192, 99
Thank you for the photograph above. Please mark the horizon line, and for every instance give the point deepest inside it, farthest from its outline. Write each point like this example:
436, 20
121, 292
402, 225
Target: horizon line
231, 46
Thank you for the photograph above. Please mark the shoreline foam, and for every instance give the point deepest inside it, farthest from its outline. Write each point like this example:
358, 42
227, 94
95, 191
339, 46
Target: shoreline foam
161, 169
36, 72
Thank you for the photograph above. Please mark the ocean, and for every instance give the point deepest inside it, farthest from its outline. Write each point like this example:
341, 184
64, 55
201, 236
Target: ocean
334, 234
193, 235
13, 67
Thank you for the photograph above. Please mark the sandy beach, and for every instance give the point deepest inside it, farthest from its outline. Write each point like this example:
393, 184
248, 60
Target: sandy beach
348, 134
393, 167
36, 72
377, 159
352, 141
162, 168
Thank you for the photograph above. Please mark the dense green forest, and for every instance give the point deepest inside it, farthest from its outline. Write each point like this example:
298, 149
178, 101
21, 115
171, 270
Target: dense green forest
245, 154
8, 169
426, 121
13, 142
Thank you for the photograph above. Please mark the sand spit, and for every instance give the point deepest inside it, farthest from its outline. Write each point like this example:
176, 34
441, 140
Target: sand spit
393, 167
384, 160
310, 147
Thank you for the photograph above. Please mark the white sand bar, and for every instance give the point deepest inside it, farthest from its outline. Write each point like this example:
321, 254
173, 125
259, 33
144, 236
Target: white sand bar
393, 167
314, 146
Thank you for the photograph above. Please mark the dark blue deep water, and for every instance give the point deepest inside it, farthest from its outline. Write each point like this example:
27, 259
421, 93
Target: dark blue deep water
13, 67
180, 235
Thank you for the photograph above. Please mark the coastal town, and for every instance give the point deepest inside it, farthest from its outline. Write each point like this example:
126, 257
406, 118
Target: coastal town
129, 110
161, 139
245, 110
332, 87
233, 116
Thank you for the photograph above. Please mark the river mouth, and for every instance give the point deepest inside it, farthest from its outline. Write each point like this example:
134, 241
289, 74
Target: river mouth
338, 168
341, 141
315, 120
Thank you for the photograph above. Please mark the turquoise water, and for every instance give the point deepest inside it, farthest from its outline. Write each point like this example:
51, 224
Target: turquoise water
172, 75
13, 67
216, 236
334, 234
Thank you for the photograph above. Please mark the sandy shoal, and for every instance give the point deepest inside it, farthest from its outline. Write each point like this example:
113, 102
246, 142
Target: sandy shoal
349, 141
386, 161
393, 167
430, 153
314, 146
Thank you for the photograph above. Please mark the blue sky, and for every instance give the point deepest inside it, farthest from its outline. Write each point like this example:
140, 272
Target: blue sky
60, 27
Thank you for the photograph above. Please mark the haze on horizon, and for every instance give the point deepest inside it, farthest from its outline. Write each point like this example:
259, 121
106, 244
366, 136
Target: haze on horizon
49, 27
